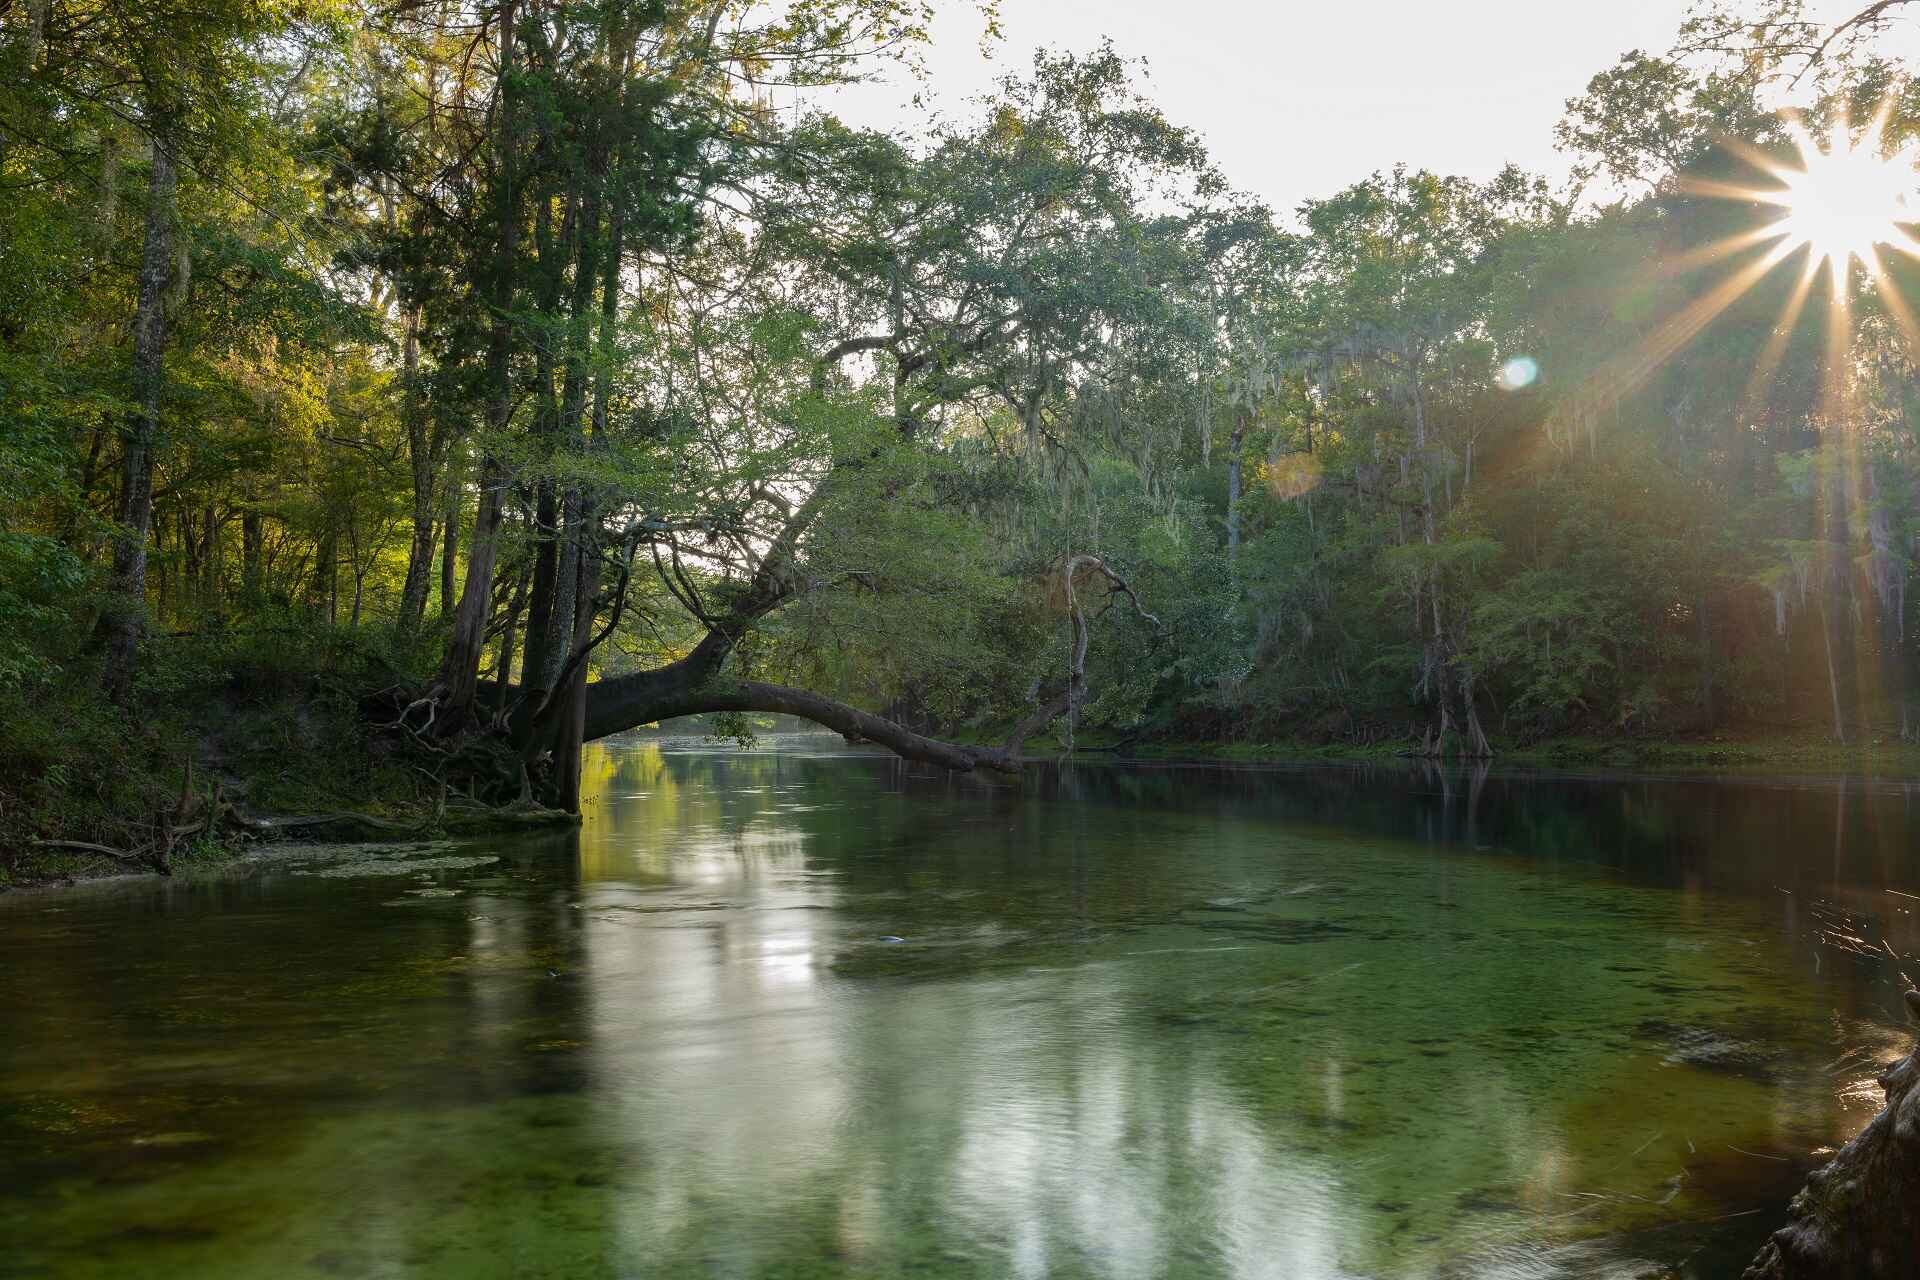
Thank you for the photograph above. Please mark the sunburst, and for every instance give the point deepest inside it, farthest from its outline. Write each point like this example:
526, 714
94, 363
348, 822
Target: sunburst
1840, 203
1845, 201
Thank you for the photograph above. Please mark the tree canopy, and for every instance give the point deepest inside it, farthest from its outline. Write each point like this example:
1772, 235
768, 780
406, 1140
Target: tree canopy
535, 341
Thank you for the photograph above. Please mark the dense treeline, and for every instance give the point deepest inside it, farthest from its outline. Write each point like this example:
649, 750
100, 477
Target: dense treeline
564, 364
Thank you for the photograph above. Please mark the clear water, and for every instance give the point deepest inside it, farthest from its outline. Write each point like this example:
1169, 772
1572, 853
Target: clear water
807, 1013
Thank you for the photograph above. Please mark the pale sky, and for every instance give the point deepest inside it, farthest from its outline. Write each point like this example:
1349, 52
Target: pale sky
1300, 98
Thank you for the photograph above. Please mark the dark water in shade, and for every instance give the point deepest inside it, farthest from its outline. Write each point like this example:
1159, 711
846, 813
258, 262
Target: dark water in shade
812, 1014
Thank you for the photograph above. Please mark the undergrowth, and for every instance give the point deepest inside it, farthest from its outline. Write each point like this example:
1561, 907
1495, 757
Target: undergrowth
270, 713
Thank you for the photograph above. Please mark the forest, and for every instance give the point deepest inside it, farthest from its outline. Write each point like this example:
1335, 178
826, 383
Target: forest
399, 394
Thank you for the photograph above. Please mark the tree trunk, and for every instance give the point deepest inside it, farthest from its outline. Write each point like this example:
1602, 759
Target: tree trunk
326, 573
573, 715
503, 668
460, 668
120, 622
1706, 663
250, 548
571, 725
690, 687
546, 619
449, 552
1858, 1217
1233, 487
604, 717
423, 462
413, 594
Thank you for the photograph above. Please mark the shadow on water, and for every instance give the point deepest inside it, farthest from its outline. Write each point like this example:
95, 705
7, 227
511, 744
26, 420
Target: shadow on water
810, 1012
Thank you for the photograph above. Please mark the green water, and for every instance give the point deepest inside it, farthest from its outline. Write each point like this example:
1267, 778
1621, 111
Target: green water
803, 1013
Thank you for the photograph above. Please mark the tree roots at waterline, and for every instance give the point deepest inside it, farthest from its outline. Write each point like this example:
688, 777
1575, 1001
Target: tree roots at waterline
1858, 1217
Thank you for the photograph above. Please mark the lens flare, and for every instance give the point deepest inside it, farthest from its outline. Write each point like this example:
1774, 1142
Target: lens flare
1293, 475
1517, 373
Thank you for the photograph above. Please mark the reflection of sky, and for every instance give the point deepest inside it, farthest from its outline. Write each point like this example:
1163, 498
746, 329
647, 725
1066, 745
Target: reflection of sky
744, 1075
1030, 1113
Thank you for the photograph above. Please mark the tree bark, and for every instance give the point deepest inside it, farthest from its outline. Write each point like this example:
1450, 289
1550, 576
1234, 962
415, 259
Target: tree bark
120, 623
547, 618
503, 668
573, 714
460, 669
571, 718
1858, 1217
690, 687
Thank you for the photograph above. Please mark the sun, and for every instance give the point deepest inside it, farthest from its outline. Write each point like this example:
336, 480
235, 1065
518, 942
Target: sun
1845, 200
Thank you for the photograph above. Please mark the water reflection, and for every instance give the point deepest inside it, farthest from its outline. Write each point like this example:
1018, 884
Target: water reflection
802, 1013
1071, 1062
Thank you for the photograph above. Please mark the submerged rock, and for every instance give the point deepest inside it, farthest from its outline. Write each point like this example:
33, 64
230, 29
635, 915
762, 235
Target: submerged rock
1711, 1049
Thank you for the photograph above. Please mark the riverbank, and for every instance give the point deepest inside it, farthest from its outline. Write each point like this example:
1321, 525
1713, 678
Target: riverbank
1742, 754
234, 738
40, 866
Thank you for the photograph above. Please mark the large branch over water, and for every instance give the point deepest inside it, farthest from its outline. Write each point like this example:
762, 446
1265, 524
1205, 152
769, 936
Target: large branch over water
751, 695
691, 686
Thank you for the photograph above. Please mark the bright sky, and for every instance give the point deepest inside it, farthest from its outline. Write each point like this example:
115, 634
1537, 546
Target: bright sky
1300, 98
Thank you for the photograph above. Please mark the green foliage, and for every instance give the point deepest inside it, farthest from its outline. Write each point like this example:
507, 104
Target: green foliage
837, 406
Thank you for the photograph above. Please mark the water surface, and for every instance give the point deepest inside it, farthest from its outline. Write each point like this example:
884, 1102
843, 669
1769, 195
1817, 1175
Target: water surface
809, 1013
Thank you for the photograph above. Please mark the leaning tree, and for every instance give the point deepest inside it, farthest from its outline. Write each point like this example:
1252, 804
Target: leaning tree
679, 411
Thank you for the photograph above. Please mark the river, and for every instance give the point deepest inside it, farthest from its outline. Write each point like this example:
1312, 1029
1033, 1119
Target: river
807, 1012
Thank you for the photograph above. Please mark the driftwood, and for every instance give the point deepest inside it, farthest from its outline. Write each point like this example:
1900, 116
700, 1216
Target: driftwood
1858, 1217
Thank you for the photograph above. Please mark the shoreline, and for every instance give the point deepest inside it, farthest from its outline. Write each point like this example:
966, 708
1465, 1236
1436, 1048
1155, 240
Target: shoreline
72, 870
1743, 757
